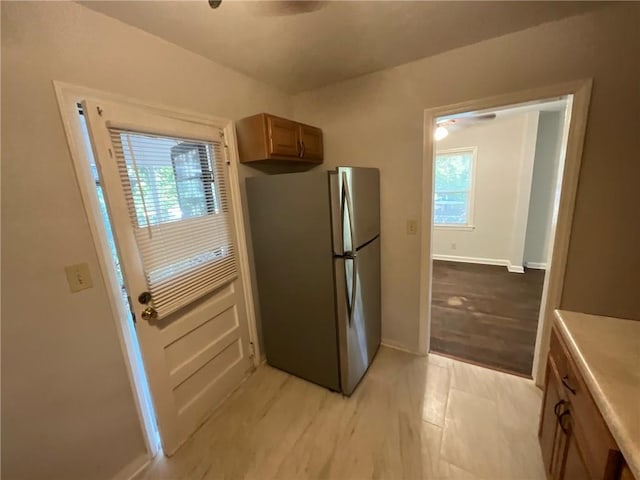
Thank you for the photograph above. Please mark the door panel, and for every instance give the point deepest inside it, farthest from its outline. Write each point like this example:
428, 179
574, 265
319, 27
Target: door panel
283, 137
195, 356
363, 187
359, 314
575, 467
311, 138
548, 422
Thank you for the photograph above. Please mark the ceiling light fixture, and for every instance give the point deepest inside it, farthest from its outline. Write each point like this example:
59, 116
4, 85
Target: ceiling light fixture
440, 133
215, 3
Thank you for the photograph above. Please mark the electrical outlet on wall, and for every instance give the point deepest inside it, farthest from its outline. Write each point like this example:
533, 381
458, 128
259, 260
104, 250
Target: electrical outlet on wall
78, 277
412, 227
453, 245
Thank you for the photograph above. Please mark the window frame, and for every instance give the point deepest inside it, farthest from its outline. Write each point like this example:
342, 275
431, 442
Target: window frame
470, 225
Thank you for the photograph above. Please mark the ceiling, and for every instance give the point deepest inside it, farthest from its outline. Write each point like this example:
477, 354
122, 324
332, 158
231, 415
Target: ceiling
481, 118
335, 41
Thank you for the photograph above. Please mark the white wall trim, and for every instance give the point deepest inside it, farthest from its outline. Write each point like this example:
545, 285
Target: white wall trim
483, 261
501, 262
515, 268
580, 90
68, 97
535, 265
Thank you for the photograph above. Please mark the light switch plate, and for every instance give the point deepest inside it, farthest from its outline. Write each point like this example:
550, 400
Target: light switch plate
412, 227
78, 277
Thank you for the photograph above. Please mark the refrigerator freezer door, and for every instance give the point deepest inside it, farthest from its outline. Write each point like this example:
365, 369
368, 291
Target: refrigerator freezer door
360, 201
359, 314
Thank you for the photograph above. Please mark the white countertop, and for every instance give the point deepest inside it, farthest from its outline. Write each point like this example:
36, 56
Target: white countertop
607, 352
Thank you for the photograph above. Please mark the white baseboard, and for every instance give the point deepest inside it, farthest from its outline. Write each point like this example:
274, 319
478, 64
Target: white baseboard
536, 265
482, 261
515, 268
396, 346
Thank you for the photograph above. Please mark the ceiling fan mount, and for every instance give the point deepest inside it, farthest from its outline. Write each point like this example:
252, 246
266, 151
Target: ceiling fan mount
467, 120
277, 7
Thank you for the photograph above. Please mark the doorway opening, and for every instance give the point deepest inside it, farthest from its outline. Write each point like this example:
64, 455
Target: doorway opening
577, 95
144, 394
496, 177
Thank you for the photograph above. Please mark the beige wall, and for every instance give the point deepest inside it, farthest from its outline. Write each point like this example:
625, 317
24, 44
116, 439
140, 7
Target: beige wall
67, 407
376, 120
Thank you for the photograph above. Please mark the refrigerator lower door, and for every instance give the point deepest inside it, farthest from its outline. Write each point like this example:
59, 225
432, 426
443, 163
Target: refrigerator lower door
359, 325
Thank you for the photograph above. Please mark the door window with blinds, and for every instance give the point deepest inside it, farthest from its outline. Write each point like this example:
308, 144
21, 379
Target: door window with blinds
175, 190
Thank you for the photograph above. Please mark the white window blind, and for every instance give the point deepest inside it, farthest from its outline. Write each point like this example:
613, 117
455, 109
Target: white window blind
177, 196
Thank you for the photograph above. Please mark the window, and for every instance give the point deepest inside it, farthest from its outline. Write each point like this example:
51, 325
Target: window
175, 177
453, 195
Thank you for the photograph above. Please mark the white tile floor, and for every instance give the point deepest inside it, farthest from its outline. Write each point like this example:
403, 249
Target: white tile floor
411, 418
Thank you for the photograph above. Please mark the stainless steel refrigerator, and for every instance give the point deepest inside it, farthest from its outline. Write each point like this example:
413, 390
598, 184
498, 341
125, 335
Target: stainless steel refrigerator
316, 247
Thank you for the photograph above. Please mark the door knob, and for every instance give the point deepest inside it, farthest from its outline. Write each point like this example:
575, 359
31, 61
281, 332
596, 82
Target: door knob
149, 313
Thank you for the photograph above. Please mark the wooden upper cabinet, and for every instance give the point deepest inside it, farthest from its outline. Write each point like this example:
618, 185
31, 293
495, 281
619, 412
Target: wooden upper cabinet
311, 142
283, 137
265, 137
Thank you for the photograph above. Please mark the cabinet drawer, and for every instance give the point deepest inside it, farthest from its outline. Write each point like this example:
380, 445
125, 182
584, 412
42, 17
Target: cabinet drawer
601, 453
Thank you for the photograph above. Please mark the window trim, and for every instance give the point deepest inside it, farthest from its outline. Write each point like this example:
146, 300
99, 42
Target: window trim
470, 225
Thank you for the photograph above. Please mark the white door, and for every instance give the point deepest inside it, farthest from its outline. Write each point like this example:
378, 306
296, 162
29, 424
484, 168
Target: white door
169, 199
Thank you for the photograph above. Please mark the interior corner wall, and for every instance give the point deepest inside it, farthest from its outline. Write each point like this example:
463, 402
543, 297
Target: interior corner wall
545, 172
377, 121
496, 177
67, 406
523, 195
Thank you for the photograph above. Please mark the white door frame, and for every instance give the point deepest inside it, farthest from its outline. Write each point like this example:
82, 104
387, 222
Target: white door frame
562, 214
69, 96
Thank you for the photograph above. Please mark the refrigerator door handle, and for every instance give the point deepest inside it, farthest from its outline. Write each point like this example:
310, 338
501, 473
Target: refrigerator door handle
354, 286
346, 195
350, 298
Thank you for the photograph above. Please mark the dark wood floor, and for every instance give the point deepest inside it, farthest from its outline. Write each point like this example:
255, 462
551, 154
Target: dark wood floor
485, 315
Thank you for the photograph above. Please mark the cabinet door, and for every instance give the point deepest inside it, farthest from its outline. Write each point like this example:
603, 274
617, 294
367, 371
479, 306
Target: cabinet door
575, 468
553, 440
311, 142
283, 137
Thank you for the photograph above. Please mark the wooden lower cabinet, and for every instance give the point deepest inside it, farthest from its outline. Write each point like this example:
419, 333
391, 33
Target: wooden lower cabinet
553, 432
574, 465
574, 440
